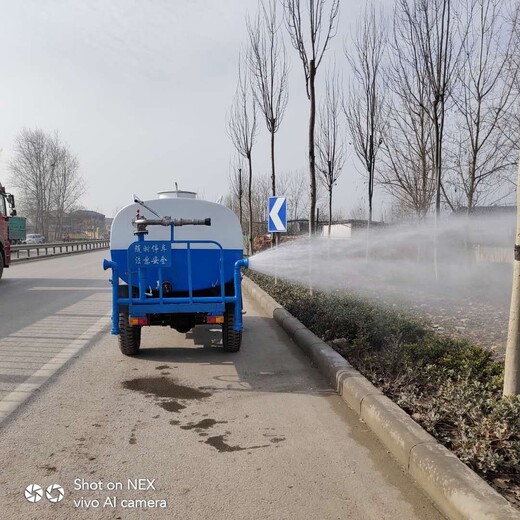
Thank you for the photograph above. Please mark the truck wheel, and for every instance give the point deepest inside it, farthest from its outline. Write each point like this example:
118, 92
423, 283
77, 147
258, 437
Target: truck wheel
1, 263
129, 336
231, 339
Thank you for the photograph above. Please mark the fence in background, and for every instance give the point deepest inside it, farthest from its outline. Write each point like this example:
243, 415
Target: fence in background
27, 251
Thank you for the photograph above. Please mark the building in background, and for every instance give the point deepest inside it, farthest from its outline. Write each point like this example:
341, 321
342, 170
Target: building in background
84, 224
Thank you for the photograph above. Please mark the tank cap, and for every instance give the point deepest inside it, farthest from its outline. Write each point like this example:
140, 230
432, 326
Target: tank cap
177, 194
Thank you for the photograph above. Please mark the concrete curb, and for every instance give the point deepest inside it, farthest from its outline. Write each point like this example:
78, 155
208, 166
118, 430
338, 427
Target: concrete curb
456, 490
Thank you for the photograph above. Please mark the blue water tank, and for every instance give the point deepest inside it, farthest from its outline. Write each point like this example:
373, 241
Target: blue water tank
205, 258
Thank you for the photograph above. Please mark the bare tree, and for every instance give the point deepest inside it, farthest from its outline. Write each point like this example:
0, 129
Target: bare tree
426, 31
46, 173
406, 168
364, 108
484, 154
407, 163
296, 195
268, 62
261, 191
242, 129
32, 174
311, 37
236, 182
293, 184
330, 142
69, 187
513, 20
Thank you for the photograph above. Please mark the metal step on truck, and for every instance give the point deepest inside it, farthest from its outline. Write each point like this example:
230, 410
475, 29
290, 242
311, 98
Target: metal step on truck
176, 261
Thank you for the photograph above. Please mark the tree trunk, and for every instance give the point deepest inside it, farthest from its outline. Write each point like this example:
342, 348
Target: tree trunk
371, 171
273, 171
370, 207
512, 365
240, 192
312, 157
249, 197
370, 193
273, 178
437, 172
437, 160
472, 179
330, 209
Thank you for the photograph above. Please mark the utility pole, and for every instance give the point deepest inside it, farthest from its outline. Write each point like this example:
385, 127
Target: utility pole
512, 365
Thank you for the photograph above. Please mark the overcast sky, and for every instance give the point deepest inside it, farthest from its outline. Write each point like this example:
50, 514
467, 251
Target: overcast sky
140, 89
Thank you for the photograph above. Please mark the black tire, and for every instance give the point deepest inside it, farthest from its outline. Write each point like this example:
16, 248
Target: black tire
231, 339
1, 263
129, 336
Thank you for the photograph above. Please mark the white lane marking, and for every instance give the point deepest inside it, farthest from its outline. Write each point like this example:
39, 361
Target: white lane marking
31, 336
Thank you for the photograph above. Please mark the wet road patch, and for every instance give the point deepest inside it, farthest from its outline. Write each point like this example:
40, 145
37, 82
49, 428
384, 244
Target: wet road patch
166, 392
204, 424
49, 469
171, 406
133, 438
173, 397
219, 443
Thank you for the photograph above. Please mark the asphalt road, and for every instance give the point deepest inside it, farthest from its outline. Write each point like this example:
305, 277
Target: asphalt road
253, 435
49, 310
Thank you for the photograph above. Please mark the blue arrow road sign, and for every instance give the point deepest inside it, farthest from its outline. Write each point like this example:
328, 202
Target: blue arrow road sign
277, 214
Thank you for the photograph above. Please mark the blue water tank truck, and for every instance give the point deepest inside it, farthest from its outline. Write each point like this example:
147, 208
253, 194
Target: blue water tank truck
175, 262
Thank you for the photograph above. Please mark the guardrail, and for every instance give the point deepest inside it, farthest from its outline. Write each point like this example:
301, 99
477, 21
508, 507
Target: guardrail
26, 251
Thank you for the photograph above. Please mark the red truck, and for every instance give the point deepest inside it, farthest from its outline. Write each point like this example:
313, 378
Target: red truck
6, 201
